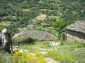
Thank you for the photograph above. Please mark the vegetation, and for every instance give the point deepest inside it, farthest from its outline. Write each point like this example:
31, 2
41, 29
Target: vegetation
60, 28
61, 58
66, 53
21, 13
22, 57
23, 40
69, 52
45, 15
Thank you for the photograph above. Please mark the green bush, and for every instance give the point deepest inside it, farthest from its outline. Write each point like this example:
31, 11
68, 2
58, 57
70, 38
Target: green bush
23, 40
22, 57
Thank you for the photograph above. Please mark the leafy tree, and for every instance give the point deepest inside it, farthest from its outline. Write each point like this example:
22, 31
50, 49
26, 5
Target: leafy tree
60, 28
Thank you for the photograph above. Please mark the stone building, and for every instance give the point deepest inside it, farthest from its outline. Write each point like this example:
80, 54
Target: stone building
76, 31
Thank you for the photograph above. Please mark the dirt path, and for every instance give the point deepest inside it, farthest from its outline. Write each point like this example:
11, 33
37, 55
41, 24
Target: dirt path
51, 60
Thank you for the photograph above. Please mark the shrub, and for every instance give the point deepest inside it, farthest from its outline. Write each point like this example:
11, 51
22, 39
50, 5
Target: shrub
24, 40
22, 57
60, 28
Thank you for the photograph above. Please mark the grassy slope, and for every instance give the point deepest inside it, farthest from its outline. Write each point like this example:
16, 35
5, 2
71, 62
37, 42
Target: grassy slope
75, 49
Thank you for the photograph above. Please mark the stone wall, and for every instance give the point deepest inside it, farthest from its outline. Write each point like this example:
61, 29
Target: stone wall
73, 35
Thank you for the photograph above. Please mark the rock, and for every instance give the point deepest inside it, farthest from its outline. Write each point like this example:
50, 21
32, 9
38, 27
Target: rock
43, 52
15, 48
16, 35
54, 43
21, 50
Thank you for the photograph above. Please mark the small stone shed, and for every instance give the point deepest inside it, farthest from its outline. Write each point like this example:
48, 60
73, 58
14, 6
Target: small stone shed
76, 31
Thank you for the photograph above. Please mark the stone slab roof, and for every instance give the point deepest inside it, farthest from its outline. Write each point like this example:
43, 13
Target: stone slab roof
78, 26
40, 35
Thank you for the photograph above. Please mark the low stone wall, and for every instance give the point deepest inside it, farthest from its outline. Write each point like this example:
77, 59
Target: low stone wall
74, 38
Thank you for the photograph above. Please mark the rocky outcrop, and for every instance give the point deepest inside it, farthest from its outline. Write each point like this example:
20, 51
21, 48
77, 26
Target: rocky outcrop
39, 35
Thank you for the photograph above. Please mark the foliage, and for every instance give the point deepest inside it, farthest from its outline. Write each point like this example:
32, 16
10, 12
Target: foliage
72, 50
47, 29
56, 9
23, 40
1, 27
69, 52
22, 57
60, 28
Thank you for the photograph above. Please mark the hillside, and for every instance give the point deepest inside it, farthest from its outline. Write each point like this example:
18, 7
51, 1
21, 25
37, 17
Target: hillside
38, 31
22, 13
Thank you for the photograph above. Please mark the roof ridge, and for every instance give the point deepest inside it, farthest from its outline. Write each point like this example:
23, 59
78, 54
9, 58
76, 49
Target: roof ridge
78, 26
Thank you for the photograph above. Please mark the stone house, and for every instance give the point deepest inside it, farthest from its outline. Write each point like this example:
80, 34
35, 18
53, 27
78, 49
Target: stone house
76, 31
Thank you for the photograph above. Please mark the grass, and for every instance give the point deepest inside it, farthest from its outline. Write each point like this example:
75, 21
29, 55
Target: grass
68, 52
47, 29
26, 10
79, 55
75, 50
22, 57
37, 46
5, 57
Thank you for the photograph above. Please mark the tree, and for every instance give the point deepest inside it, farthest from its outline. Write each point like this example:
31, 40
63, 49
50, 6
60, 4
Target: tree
60, 28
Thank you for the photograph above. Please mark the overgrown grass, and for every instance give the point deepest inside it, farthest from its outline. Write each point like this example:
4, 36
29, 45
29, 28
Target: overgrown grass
37, 46
47, 29
61, 58
69, 52
74, 49
6, 57
22, 57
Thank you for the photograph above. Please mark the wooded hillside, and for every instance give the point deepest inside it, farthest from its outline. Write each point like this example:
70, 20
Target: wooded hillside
21, 13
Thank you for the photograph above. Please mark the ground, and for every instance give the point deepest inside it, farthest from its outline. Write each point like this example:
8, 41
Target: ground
66, 52
73, 49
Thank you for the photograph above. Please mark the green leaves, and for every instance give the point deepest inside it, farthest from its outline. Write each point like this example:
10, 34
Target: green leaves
60, 28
